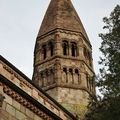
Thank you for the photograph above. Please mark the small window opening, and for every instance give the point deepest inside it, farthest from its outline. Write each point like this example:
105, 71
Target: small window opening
65, 70
65, 48
74, 49
76, 71
51, 46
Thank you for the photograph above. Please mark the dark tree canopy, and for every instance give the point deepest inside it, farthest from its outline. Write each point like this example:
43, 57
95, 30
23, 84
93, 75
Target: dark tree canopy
108, 107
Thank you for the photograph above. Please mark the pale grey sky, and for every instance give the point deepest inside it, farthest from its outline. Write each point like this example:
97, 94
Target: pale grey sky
20, 21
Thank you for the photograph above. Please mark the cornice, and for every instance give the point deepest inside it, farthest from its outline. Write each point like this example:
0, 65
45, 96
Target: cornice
66, 58
63, 31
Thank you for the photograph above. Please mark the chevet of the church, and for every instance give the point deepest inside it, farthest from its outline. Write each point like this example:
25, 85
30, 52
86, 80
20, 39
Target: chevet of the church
62, 76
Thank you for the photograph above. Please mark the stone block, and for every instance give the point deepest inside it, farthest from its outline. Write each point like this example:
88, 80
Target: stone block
20, 116
4, 105
16, 104
29, 113
8, 99
22, 108
37, 118
10, 109
35, 94
4, 115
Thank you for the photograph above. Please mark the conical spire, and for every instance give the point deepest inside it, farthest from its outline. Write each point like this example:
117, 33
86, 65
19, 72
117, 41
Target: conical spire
61, 14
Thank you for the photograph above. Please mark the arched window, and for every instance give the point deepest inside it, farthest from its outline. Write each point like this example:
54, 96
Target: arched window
44, 51
74, 49
65, 48
51, 48
64, 76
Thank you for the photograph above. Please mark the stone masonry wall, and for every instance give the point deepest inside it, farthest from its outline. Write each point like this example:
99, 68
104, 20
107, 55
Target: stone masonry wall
12, 110
29, 89
75, 101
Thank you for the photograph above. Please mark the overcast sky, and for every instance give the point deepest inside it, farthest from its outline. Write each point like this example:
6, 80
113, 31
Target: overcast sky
20, 21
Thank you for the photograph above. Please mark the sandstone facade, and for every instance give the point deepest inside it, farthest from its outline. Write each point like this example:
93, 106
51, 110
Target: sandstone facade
21, 99
63, 64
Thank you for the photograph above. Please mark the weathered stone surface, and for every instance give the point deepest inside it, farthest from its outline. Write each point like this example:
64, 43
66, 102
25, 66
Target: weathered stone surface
10, 109
4, 115
4, 105
20, 116
16, 104
8, 99
71, 58
37, 118
61, 14
29, 113
22, 109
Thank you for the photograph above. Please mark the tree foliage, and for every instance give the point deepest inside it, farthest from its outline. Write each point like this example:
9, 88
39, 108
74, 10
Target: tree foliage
108, 107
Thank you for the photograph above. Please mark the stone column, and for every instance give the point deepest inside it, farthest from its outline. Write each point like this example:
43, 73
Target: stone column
58, 74
67, 76
58, 46
69, 49
80, 48
73, 76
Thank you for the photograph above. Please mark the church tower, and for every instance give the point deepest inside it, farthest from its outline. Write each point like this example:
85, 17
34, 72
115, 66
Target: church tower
63, 65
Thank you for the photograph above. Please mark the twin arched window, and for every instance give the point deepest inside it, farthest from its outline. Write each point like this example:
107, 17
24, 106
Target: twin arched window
70, 49
71, 76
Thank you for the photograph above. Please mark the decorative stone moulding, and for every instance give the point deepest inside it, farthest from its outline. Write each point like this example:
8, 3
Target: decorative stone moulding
23, 84
24, 102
